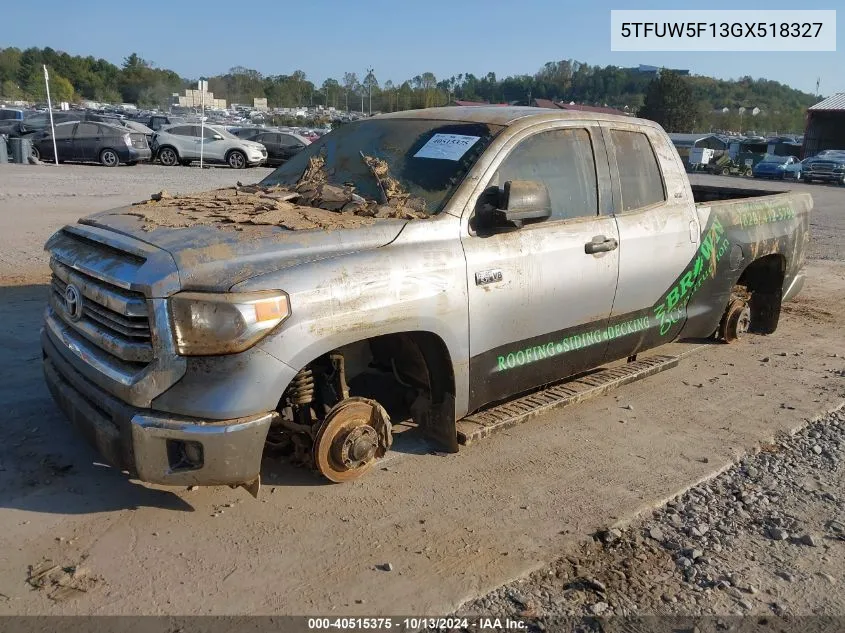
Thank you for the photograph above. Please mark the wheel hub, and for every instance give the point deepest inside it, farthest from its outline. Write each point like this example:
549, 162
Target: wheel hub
358, 447
352, 436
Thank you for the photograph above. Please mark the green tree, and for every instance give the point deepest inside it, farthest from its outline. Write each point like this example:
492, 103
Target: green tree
331, 90
60, 88
669, 101
10, 90
350, 85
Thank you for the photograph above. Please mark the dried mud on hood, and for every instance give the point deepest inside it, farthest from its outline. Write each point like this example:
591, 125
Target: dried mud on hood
311, 204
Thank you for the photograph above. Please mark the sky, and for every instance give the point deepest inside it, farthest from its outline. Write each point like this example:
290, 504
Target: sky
399, 39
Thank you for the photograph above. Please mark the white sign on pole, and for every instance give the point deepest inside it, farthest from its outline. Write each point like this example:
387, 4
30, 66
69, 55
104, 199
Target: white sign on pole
50, 110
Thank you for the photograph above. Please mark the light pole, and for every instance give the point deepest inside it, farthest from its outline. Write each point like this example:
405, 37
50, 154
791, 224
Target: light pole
370, 89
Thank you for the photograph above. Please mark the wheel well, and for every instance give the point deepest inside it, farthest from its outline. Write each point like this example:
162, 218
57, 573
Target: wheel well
763, 281
168, 146
408, 373
233, 150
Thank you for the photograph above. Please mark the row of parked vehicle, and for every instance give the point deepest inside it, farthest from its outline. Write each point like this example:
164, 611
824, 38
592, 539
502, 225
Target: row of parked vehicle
238, 148
109, 140
826, 166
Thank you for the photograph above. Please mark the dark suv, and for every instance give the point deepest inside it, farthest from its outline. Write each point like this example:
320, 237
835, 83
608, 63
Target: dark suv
826, 166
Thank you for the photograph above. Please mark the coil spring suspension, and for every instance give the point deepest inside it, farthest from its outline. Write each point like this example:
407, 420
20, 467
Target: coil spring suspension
302, 388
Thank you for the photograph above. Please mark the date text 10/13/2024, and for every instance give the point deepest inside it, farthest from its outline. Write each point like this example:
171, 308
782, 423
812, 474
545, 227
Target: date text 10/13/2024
417, 623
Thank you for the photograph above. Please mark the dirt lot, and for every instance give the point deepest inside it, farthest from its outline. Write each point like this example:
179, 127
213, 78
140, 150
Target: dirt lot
451, 527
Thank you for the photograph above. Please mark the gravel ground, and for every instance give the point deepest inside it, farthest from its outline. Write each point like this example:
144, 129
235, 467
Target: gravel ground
36, 201
79, 181
764, 538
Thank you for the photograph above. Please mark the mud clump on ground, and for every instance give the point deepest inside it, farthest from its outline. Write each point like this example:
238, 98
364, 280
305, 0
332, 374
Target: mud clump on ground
312, 203
61, 582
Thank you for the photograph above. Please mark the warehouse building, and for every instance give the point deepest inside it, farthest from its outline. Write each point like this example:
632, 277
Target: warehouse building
825, 126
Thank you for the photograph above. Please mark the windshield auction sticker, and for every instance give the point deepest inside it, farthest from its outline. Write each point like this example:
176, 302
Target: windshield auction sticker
447, 146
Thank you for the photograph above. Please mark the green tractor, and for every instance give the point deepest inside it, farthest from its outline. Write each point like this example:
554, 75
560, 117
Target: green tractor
724, 166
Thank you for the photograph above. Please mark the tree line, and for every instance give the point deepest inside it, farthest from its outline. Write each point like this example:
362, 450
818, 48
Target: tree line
141, 82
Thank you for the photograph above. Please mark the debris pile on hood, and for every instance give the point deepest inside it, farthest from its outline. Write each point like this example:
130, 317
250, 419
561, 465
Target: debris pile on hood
313, 203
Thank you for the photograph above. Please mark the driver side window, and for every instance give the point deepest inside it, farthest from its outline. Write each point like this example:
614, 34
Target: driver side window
563, 160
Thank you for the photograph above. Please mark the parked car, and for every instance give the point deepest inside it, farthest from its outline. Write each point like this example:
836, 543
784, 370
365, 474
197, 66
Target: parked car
183, 143
826, 166
158, 121
90, 141
11, 114
281, 146
542, 246
779, 167
37, 121
248, 132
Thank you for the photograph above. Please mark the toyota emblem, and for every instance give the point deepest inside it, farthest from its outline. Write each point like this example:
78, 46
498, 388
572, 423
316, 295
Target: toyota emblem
73, 302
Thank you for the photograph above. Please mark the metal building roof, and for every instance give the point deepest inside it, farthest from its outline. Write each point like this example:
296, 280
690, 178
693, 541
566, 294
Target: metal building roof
835, 102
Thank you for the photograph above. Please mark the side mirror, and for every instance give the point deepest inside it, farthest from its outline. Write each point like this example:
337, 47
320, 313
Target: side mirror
524, 200
217, 137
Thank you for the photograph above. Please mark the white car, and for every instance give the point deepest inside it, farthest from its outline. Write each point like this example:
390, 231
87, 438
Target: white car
182, 144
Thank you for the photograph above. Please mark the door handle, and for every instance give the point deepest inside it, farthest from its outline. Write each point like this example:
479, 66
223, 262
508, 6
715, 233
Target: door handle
600, 244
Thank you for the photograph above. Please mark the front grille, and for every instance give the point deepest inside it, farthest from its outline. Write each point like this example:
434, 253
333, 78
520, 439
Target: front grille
114, 319
822, 168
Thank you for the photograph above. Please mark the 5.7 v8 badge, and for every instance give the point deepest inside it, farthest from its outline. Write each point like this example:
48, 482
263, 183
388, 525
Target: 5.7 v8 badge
484, 277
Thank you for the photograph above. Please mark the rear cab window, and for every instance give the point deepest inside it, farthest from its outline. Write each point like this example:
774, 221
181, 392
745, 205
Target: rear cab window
640, 177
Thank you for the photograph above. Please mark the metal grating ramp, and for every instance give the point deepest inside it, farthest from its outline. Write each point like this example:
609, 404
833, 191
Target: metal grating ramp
507, 414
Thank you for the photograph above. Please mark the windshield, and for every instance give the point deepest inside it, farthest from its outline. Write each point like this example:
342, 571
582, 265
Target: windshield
427, 158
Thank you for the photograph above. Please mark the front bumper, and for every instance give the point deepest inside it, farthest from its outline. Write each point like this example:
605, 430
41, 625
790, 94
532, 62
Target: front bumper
157, 447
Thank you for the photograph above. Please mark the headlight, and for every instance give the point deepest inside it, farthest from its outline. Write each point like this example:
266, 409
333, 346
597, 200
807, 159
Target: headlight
207, 324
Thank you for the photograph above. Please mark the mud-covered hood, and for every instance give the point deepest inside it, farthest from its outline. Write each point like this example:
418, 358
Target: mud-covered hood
215, 258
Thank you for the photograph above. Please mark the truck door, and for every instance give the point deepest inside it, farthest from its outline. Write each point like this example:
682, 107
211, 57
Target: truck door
540, 296
659, 237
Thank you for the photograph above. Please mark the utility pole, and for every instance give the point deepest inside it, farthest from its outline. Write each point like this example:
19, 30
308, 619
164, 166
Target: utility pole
370, 89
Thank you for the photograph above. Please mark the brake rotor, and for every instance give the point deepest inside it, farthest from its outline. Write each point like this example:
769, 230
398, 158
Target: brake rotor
736, 322
352, 436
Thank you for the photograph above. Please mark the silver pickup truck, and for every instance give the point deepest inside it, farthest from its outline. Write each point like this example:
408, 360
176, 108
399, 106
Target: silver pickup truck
413, 267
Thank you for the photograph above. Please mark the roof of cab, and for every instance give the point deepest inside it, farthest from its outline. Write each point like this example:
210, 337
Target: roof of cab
500, 115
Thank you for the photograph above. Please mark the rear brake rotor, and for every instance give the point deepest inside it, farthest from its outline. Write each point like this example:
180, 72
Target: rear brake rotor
352, 436
736, 322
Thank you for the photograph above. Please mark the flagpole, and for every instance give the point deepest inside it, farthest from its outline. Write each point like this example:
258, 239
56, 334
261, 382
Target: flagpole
50, 110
